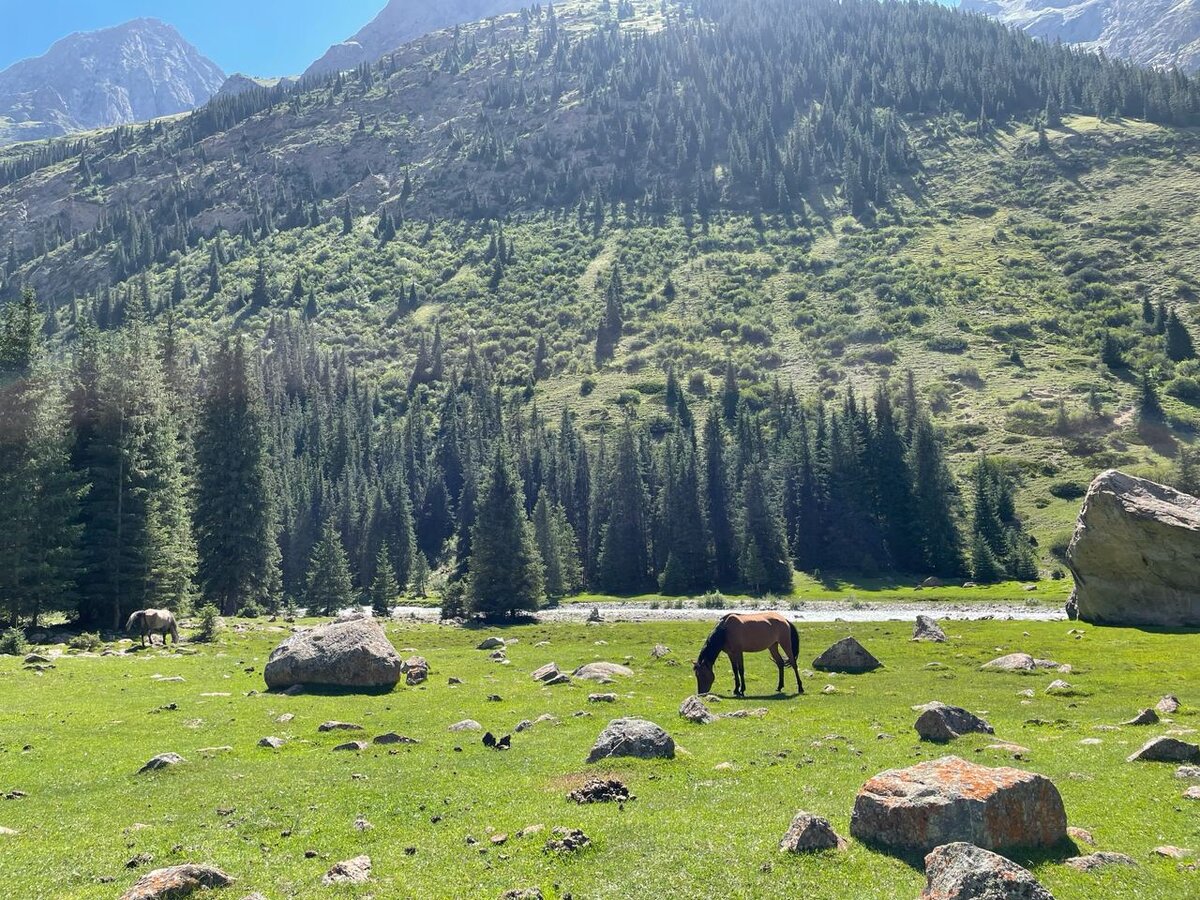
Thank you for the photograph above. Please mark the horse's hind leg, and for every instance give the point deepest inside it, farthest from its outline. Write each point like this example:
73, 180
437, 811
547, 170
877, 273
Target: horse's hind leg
779, 662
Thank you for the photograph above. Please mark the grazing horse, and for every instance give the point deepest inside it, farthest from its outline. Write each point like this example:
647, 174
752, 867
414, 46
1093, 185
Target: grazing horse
151, 622
739, 633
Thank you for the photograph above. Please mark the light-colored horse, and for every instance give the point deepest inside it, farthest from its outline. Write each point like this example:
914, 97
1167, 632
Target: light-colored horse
739, 633
151, 622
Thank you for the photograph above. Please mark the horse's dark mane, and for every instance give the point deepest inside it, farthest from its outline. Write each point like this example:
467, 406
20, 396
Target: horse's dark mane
714, 645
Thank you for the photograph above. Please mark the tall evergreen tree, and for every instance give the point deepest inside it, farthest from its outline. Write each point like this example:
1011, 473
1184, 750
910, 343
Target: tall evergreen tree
328, 587
764, 561
623, 566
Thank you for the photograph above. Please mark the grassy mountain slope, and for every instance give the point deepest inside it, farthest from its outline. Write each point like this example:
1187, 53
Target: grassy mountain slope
993, 271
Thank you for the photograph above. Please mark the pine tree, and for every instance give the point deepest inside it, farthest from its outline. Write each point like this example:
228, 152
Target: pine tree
328, 586
608, 333
556, 545
506, 572
623, 566
1179, 344
384, 587
933, 504
687, 565
718, 506
764, 561
235, 514
1149, 407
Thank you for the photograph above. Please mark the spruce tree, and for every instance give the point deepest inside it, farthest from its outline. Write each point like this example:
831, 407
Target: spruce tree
624, 562
934, 492
235, 513
328, 587
718, 506
1179, 344
764, 561
506, 571
687, 567
384, 587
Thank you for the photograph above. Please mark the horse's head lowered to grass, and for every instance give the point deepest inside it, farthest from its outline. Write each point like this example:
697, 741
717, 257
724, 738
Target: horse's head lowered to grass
703, 666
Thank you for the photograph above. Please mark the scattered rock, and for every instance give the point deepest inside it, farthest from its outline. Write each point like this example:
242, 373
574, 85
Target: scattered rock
1166, 749
637, 738
8, 832
1188, 772
530, 830
1060, 688
453, 680
350, 871
1171, 852
962, 871
1082, 835
602, 698
694, 710
602, 671
284, 719
1099, 860
927, 629
466, 725
829, 689
549, 674
949, 800
532, 893
1168, 705
1135, 554
659, 651
416, 670
1018, 662
392, 738
756, 713
273, 743
338, 726
36, 659
594, 616
176, 882
941, 724
601, 790
1192, 793
1145, 717
162, 761
491, 643
353, 654
567, 840
848, 656
809, 833
352, 746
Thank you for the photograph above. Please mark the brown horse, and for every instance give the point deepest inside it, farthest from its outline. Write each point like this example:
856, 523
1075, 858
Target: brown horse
739, 633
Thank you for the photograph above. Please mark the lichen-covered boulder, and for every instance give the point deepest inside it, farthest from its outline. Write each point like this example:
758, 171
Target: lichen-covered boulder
962, 871
1135, 554
638, 738
355, 654
950, 800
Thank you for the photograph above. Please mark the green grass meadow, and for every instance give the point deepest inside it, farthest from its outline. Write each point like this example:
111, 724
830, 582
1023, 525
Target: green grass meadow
73, 738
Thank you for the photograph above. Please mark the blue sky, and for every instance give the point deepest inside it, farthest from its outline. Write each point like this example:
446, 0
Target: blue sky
258, 37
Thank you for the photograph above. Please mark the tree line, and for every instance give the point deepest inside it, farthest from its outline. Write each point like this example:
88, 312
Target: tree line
139, 470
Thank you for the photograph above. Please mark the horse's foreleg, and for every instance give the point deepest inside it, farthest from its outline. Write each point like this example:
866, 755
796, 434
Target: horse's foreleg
739, 681
779, 662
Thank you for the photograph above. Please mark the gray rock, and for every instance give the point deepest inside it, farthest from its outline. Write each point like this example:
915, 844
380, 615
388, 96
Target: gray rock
1018, 662
492, 643
962, 871
1168, 705
352, 746
162, 761
602, 671
549, 674
695, 710
602, 698
1192, 772
532, 893
349, 871
848, 656
1145, 717
1192, 793
416, 670
1135, 554
1060, 688
941, 724
659, 651
466, 725
1099, 860
176, 882
809, 833
353, 654
950, 800
1166, 749
637, 738
272, 743
926, 629
338, 726
393, 738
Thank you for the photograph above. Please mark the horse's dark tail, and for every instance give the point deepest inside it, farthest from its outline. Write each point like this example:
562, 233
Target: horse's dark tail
795, 642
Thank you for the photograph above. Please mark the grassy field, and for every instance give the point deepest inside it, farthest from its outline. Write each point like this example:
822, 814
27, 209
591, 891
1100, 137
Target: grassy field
73, 738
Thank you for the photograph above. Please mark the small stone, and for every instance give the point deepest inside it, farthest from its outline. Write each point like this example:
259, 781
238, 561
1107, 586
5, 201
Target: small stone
466, 725
1166, 749
926, 629
1082, 835
361, 824
1168, 705
162, 761
550, 674
1091, 742
284, 719
1171, 852
352, 746
393, 738
632, 737
176, 882
1060, 688
416, 670
531, 893
350, 871
1188, 772
941, 724
272, 743
530, 830
1192, 793
809, 833
602, 698
602, 672
1099, 860
338, 726
498, 839
453, 680
491, 643
659, 651
694, 710
1145, 717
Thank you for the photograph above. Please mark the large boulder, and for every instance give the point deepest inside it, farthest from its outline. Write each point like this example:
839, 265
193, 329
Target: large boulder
175, 882
355, 654
1135, 554
962, 871
926, 629
848, 656
1166, 749
941, 724
638, 738
949, 800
